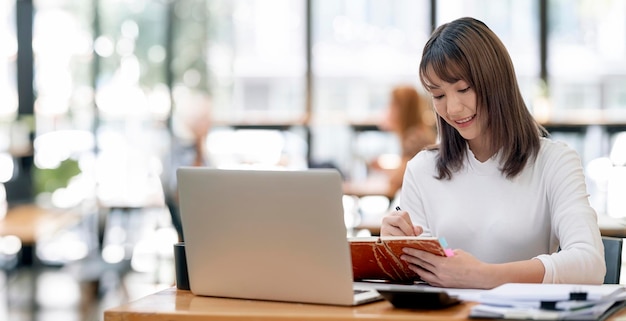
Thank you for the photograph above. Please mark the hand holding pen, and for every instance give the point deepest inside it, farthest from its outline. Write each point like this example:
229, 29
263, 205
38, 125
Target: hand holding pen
399, 223
419, 230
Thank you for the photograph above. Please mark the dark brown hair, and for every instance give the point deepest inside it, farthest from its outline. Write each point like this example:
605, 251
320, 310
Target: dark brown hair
466, 49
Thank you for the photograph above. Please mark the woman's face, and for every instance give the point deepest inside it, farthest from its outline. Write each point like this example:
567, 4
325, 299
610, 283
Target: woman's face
456, 104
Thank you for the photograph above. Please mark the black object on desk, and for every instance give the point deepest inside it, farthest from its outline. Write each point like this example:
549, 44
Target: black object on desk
180, 264
415, 299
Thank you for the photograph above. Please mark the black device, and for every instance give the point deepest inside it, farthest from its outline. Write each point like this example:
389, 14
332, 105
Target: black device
418, 299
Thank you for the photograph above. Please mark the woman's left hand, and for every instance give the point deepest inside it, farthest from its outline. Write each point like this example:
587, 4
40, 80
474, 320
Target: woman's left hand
459, 271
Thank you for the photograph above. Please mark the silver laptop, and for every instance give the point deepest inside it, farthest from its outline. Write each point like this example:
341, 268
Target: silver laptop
267, 235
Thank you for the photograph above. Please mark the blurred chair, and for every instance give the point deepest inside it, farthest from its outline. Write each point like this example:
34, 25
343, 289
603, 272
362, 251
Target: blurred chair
172, 205
613, 258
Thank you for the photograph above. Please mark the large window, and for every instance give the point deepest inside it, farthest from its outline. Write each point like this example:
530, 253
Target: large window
587, 56
62, 45
130, 45
255, 56
63, 106
8, 53
256, 60
126, 72
360, 51
62, 48
11, 141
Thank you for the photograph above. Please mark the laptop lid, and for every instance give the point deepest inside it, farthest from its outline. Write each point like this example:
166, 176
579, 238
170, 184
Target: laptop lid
268, 235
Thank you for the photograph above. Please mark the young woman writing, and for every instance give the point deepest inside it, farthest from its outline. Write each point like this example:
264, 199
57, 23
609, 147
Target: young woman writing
505, 197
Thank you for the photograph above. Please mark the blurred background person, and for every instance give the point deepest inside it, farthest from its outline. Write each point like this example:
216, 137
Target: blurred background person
410, 119
191, 123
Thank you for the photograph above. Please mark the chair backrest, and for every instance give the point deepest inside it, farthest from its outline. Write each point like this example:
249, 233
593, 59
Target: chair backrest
613, 258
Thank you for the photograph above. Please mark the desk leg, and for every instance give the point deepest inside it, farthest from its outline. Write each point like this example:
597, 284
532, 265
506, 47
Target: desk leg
21, 282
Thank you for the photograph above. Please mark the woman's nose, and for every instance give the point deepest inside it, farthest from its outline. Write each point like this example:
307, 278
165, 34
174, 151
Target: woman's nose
454, 105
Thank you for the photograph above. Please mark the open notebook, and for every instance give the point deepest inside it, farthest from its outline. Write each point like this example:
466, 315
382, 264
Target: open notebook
267, 235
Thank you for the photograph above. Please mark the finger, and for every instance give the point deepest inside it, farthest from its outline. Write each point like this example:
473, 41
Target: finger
422, 271
407, 226
405, 216
416, 229
391, 226
422, 258
429, 278
396, 225
389, 230
418, 262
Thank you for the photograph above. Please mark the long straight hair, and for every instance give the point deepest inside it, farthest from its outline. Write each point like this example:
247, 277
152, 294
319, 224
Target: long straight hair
466, 49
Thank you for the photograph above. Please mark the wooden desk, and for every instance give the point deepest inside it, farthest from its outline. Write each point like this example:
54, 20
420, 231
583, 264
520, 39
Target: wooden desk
610, 226
172, 304
368, 187
31, 222
176, 305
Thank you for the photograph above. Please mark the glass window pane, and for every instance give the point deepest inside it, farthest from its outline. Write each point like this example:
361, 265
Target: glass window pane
8, 53
11, 144
62, 47
133, 100
361, 49
587, 55
63, 109
256, 60
131, 79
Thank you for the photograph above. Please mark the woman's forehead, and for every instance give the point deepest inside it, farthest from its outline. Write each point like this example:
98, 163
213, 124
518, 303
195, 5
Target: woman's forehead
434, 78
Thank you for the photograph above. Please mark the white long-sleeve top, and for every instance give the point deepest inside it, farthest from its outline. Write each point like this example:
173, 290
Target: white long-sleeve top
504, 220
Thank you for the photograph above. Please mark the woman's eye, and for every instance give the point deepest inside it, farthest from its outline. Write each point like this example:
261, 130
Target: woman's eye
437, 96
465, 90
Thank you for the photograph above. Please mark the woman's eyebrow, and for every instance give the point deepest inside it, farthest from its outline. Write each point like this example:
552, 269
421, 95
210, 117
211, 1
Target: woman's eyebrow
432, 86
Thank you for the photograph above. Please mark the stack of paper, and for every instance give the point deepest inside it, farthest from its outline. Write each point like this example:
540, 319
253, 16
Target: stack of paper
548, 301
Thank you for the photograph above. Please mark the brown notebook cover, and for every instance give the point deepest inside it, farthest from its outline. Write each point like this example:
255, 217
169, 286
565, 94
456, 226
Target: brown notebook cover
378, 258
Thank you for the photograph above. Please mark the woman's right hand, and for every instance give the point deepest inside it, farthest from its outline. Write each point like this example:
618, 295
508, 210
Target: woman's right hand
398, 223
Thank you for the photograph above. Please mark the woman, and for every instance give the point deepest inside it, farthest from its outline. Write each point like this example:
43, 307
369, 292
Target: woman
505, 197
406, 118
